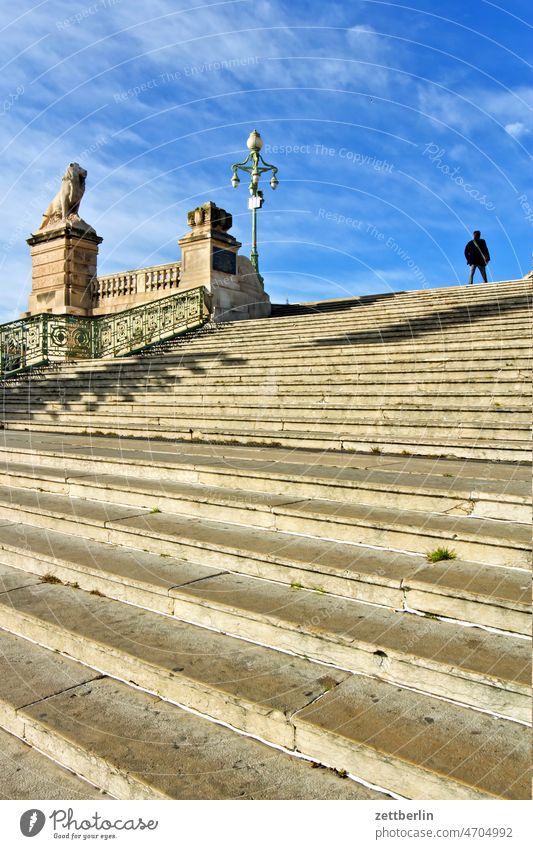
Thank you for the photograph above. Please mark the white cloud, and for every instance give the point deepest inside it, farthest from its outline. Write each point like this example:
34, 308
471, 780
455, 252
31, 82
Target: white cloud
517, 129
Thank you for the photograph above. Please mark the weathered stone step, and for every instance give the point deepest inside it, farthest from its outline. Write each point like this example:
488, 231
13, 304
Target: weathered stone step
482, 540
164, 461
518, 369
136, 746
399, 319
311, 400
321, 422
350, 713
27, 774
404, 315
504, 298
367, 327
270, 407
453, 291
211, 382
318, 350
358, 341
362, 328
480, 448
506, 294
213, 487
471, 592
258, 689
345, 373
253, 688
352, 356
429, 302
278, 397
363, 398
274, 384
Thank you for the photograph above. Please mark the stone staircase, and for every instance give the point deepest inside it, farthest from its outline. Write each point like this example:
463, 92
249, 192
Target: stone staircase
214, 559
428, 372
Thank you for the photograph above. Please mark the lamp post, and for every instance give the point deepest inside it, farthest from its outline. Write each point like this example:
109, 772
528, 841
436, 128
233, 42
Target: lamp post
254, 165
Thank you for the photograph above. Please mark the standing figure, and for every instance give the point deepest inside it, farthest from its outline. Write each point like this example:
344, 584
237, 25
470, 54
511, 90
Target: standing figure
477, 256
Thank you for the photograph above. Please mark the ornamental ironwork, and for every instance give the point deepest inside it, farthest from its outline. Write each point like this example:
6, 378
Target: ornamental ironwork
255, 166
43, 339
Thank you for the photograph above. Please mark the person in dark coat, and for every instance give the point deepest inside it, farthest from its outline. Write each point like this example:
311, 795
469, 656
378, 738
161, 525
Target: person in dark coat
477, 256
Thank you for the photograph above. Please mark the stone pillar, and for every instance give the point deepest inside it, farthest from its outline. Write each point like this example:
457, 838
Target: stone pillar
63, 268
209, 258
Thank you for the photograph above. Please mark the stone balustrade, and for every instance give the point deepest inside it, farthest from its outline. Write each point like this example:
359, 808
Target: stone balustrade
128, 288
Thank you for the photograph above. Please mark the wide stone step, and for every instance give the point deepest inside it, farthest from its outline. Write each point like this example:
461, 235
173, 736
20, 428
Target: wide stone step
472, 336
417, 324
369, 328
284, 423
517, 369
367, 403
482, 540
246, 486
27, 774
506, 354
348, 383
452, 291
498, 347
365, 327
482, 444
138, 747
161, 460
268, 407
313, 397
402, 314
253, 688
135, 746
430, 301
477, 326
362, 327
364, 397
480, 448
205, 487
470, 592
108, 372
258, 689
274, 384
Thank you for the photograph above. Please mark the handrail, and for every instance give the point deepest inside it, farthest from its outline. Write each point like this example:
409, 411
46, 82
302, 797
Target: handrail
132, 330
45, 338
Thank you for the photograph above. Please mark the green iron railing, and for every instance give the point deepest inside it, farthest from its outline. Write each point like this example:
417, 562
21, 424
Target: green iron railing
43, 339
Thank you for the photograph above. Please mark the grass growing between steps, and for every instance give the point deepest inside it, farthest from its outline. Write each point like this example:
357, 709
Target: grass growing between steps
53, 579
440, 554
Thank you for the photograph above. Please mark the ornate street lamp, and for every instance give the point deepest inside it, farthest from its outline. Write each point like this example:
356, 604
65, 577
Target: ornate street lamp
254, 165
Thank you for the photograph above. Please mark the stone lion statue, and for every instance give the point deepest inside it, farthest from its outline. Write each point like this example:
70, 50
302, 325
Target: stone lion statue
67, 201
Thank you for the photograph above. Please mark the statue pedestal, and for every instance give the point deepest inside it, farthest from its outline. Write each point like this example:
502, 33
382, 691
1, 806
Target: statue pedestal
63, 268
209, 258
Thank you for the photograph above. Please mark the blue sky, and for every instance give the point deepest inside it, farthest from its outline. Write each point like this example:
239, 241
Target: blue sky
397, 130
